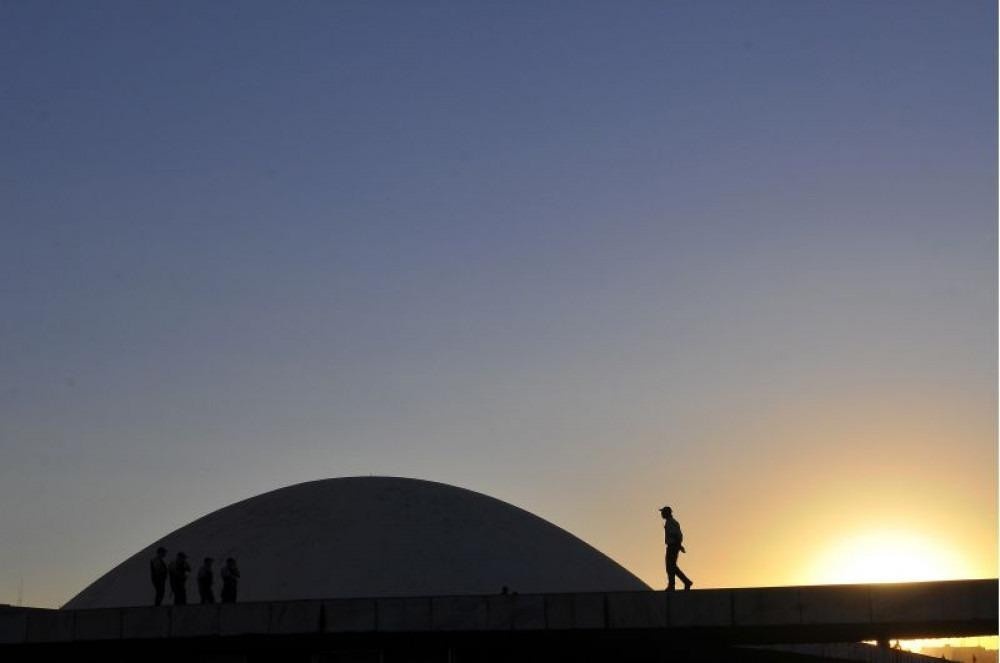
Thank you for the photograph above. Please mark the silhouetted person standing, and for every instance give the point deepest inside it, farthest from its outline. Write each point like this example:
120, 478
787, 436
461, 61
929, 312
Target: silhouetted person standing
674, 539
230, 578
206, 578
179, 570
158, 574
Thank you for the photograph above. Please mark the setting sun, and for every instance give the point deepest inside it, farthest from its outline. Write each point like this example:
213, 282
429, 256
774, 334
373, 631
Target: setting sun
887, 556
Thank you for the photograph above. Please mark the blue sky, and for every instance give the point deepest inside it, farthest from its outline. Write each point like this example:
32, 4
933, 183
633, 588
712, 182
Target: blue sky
585, 257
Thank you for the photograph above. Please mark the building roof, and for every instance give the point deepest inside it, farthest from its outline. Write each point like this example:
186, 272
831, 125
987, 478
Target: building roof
373, 536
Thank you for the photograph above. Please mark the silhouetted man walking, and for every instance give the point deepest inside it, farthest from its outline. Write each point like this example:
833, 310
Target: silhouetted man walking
158, 574
178, 570
230, 577
674, 539
205, 580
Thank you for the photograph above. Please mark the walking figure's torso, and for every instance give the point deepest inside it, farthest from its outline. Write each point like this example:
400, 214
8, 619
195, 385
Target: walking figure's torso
672, 534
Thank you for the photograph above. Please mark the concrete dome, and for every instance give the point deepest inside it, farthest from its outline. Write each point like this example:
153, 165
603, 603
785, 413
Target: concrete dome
372, 536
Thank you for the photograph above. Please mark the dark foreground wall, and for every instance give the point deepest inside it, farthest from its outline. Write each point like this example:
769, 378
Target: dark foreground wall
621, 626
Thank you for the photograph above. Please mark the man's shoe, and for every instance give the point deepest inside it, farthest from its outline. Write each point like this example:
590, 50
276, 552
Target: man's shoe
687, 585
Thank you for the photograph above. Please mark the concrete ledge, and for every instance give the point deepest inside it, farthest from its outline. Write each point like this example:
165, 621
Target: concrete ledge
513, 612
922, 602
194, 621
13, 626
705, 607
290, 617
575, 611
500, 613
145, 623
589, 611
559, 611
637, 610
102, 624
404, 614
772, 606
349, 615
50, 626
244, 618
529, 613
844, 604
983, 598
902, 602
459, 613
831, 613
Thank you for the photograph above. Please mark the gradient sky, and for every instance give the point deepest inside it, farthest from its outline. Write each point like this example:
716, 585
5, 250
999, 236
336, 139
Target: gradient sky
589, 258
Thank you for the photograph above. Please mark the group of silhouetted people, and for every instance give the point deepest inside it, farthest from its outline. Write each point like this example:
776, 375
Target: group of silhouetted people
177, 573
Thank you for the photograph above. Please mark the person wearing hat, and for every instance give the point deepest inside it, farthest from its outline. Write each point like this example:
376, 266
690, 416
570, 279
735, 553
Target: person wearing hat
179, 570
674, 539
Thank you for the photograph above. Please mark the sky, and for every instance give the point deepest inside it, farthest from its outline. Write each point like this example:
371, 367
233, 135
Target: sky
589, 258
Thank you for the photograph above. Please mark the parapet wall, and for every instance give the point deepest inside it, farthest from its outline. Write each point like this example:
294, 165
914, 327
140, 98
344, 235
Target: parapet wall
835, 613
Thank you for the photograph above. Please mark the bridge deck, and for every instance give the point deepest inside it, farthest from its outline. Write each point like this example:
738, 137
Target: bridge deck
832, 613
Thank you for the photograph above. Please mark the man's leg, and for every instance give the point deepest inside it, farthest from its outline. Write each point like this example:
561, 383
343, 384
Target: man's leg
671, 567
158, 586
680, 574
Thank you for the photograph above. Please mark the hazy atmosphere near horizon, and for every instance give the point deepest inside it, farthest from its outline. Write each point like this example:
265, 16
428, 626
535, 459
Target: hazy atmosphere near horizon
589, 258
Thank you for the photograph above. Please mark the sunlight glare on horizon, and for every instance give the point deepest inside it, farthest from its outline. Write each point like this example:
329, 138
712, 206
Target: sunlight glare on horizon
888, 556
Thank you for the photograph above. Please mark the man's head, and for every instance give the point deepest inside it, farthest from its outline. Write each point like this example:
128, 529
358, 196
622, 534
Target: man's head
666, 512
181, 555
161, 552
209, 561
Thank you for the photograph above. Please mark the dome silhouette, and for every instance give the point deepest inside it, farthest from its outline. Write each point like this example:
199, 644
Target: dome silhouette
372, 537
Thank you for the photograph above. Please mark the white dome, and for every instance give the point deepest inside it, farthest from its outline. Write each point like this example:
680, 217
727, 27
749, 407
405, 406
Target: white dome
372, 536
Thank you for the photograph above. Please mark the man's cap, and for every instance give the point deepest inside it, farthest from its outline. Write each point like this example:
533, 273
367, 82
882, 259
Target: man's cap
665, 508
